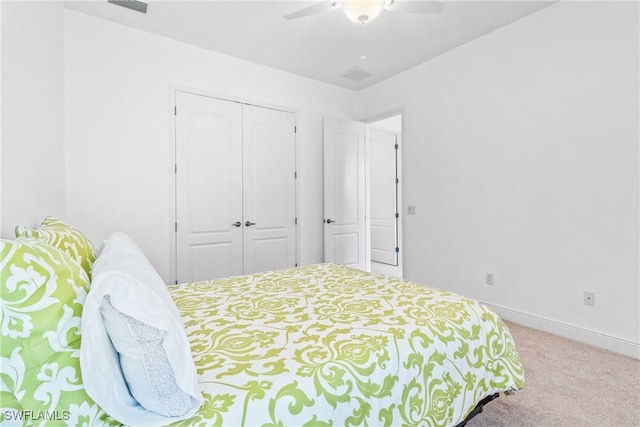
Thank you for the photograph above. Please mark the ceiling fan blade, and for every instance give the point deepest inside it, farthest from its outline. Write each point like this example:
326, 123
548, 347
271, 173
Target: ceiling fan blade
322, 7
416, 6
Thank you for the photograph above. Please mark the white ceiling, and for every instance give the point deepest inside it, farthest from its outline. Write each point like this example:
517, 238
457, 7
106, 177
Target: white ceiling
321, 46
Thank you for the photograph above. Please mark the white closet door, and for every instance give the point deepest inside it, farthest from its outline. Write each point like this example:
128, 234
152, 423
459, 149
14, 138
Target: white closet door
208, 188
344, 192
381, 151
269, 189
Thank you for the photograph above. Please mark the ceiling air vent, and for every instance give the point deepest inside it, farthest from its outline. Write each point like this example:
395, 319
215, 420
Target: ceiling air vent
131, 4
356, 74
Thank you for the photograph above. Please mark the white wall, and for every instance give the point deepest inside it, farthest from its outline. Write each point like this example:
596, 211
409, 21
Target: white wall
521, 150
1, 235
32, 132
521, 156
120, 150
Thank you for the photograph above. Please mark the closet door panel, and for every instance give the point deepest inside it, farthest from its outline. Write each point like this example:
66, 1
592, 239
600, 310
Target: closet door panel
269, 189
268, 253
208, 187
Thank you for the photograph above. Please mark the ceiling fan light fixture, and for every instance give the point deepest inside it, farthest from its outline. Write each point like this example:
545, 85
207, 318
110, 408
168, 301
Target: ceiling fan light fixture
362, 11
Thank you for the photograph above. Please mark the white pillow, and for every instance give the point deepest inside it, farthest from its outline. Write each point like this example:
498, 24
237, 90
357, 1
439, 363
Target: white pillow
135, 293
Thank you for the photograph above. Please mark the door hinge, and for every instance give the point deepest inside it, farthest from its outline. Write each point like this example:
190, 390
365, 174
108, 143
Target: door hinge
176, 226
175, 169
176, 282
296, 264
175, 111
295, 220
397, 249
395, 146
397, 181
295, 175
397, 215
295, 129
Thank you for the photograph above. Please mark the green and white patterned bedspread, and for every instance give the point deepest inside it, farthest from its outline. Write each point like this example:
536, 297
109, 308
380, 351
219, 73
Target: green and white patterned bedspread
329, 345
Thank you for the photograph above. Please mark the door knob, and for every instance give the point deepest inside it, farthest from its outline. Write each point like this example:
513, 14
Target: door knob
329, 221
248, 224
237, 224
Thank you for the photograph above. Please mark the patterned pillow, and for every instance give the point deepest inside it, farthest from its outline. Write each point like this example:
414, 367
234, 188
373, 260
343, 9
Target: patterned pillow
144, 362
64, 237
42, 292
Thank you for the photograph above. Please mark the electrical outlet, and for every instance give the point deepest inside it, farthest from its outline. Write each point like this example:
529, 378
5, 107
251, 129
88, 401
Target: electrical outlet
489, 279
589, 298
411, 210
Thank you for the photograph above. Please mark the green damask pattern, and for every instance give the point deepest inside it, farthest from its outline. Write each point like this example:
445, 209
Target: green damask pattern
61, 235
42, 290
323, 345
327, 345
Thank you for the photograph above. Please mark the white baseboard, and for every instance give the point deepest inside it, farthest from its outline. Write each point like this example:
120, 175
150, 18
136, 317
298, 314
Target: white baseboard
607, 342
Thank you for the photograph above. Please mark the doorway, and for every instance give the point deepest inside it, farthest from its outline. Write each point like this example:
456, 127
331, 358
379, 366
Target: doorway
362, 166
384, 201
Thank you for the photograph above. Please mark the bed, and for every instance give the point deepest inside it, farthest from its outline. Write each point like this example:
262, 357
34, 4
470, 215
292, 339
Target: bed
318, 345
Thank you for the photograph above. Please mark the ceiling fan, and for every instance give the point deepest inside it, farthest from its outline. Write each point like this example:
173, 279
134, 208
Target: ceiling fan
364, 11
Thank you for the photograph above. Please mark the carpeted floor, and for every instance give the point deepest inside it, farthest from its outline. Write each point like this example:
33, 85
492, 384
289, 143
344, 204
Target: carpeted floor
567, 384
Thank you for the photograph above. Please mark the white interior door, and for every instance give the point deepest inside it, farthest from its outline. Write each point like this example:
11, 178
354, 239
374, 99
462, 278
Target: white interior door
208, 188
344, 192
269, 189
382, 156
